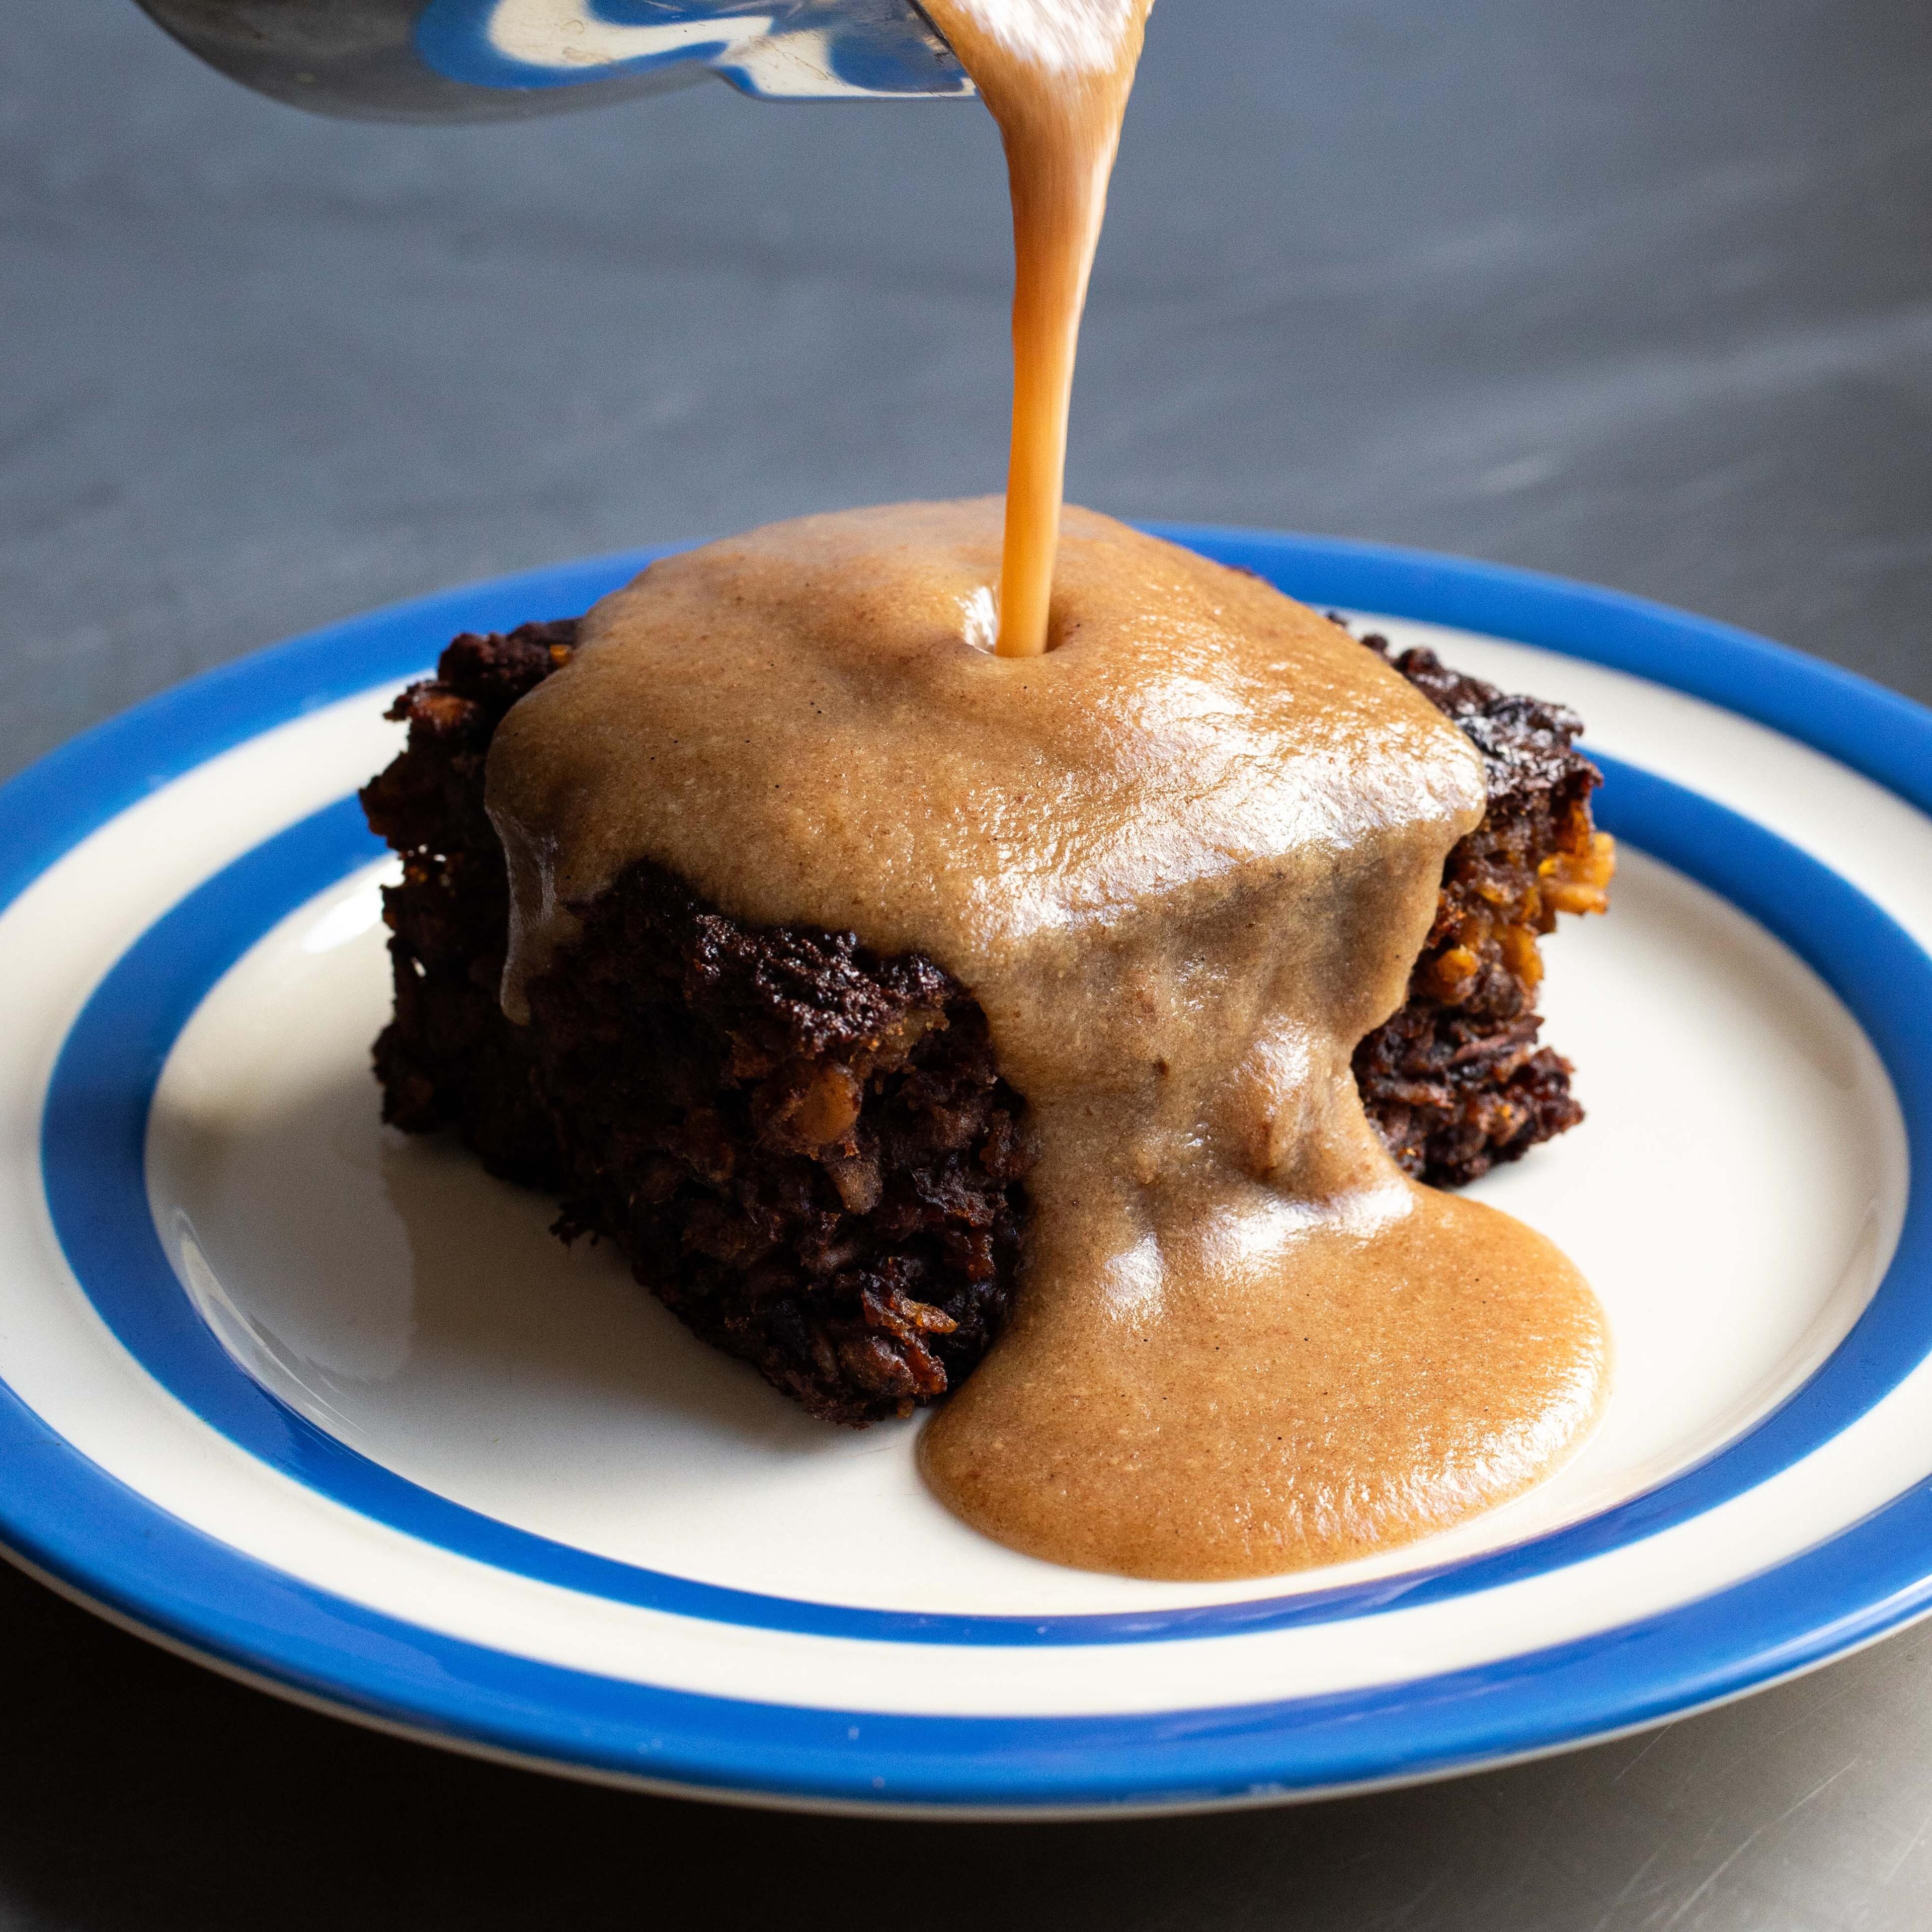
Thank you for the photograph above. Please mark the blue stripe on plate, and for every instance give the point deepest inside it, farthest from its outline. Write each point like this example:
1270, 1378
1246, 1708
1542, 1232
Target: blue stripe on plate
118, 1550
98, 1536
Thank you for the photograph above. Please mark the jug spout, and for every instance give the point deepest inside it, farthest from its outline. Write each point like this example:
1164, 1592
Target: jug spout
491, 60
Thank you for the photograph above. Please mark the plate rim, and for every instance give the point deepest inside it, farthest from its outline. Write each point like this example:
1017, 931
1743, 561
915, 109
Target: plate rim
58, 802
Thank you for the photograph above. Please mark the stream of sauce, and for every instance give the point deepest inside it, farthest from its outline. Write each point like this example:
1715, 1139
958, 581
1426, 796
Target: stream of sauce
1056, 74
1183, 861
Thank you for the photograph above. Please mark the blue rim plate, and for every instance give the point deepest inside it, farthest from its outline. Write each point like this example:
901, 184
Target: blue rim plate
107, 1536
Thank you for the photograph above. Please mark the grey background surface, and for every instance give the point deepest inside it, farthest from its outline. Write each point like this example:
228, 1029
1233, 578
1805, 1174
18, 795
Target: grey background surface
1640, 291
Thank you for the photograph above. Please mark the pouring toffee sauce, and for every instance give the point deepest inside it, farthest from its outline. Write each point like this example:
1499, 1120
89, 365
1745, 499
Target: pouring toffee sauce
1184, 860
1056, 74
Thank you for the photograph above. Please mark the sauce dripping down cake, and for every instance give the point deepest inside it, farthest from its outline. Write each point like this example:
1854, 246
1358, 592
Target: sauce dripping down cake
1111, 925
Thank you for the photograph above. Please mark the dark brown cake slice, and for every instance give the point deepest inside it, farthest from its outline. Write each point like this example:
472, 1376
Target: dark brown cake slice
805, 1149
1456, 1081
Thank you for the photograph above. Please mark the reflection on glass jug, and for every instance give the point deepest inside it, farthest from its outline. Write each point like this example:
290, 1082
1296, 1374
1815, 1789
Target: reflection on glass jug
488, 60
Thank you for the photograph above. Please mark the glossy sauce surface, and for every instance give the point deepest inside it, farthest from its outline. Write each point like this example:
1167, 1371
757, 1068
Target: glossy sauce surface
1056, 74
1183, 862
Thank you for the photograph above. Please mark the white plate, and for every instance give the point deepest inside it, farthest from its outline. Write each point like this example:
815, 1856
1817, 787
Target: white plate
329, 1408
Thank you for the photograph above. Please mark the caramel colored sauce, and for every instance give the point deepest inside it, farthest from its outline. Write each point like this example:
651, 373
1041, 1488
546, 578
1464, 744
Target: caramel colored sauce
1183, 861
1056, 74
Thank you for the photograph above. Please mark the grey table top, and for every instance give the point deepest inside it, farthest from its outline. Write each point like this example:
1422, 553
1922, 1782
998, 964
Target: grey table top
1640, 292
